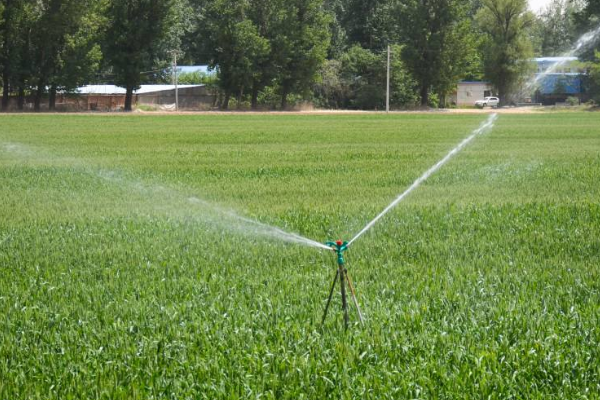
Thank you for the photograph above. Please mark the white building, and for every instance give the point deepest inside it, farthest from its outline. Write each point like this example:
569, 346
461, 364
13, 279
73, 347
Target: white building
468, 92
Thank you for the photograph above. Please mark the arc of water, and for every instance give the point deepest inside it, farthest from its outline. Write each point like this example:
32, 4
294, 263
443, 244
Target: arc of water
225, 217
483, 128
583, 42
275, 232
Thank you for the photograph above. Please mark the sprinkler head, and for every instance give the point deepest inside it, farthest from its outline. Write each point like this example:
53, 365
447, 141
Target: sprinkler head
339, 247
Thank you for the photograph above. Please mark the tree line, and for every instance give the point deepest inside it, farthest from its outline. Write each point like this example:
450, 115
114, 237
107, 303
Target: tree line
270, 53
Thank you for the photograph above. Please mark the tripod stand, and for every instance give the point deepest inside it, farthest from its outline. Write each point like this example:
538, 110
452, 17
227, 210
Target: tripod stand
342, 274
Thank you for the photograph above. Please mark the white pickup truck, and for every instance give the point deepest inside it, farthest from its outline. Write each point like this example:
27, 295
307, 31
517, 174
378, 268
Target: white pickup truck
488, 101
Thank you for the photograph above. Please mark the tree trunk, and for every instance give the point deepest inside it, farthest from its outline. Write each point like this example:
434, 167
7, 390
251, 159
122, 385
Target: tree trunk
217, 98
239, 98
38, 96
501, 94
6, 91
424, 94
21, 98
254, 101
52, 98
442, 100
6, 54
284, 96
225, 105
128, 98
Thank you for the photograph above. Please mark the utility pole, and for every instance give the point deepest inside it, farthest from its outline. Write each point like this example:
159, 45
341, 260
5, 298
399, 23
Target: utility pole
387, 93
175, 79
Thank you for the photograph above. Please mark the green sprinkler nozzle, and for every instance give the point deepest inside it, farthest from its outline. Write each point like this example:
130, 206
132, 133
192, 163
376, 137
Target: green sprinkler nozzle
339, 247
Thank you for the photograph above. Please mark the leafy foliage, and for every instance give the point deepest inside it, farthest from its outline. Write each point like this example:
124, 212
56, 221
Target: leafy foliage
301, 46
437, 43
372, 24
15, 38
238, 47
268, 53
555, 28
196, 78
358, 81
134, 34
506, 48
594, 78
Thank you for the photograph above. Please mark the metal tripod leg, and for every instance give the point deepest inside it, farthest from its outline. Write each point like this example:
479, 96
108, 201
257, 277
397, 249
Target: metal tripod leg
330, 295
354, 297
342, 272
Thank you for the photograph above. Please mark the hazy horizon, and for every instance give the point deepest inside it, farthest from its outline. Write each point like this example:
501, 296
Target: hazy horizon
538, 5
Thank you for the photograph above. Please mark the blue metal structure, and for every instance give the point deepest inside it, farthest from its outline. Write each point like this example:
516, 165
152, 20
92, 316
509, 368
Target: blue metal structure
559, 75
561, 84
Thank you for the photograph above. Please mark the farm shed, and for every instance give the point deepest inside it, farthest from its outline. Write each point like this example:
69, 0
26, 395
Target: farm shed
191, 97
111, 97
468, 92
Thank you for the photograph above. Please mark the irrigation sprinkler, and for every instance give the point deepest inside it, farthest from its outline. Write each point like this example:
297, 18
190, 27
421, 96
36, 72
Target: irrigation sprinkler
339, 248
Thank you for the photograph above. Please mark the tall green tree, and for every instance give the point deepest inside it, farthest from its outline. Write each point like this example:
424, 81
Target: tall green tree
80, 56
14, 17
196, 41
238, 50
60, 33
181, 25
5, 49
587, 15
555, 30
370, 23
52, 18
3, 43
593, 81
358, 80
434, 34
506, 48
364, 73
339, 37
22, 54
460, 59
134, 39
265, 16
587, 18
300, 46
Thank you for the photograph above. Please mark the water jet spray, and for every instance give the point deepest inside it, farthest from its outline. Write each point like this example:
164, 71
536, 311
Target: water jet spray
584, 42
339, 247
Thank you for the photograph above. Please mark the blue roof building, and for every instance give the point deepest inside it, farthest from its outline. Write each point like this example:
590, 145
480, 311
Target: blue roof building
558, 78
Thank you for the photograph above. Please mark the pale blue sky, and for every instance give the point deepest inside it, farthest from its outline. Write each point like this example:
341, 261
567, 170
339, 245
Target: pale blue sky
538, 5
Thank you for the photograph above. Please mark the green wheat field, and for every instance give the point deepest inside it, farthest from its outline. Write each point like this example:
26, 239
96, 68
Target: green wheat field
126, 273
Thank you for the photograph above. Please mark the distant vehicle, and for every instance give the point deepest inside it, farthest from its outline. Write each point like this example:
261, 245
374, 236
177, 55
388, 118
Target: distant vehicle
488, 101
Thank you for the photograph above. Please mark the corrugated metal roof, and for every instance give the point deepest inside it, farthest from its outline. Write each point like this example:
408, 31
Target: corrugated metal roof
161, 88
117, 90
100, 89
